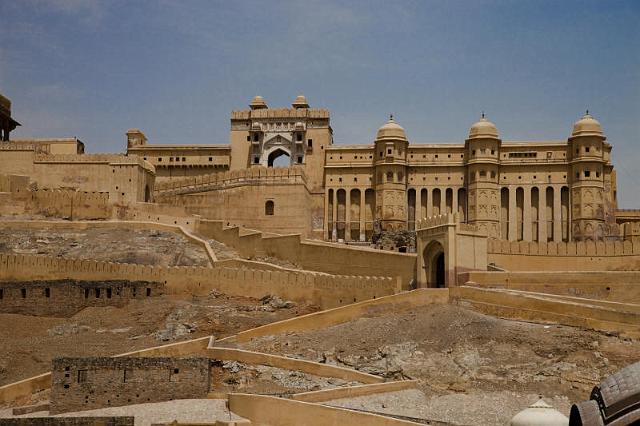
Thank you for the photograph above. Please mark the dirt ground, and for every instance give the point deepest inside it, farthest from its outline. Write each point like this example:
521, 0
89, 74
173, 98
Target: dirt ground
466, 358
146, 247
29, 342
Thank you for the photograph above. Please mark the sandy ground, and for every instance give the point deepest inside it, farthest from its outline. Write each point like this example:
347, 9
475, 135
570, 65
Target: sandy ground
465, 361
146, 247
29, 343
182, 410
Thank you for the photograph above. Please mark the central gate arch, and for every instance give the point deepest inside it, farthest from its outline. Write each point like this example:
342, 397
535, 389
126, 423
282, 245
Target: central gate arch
433, 261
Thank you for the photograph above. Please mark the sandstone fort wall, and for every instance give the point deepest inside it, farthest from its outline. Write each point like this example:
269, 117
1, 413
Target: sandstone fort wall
89, 383
323, 290
312, 255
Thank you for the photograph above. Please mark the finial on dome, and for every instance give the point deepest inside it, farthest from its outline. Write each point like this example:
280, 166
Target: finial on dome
258, 102
482, 115
391, 117
587, 113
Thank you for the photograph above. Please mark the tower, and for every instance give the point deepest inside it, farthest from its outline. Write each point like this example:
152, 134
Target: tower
588, 152
483, 154
135, 137
391, 176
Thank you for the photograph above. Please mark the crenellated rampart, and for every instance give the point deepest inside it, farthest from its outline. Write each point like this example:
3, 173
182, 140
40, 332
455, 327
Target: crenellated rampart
324, 290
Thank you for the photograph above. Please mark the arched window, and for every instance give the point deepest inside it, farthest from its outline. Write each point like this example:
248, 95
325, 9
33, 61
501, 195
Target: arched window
269, 208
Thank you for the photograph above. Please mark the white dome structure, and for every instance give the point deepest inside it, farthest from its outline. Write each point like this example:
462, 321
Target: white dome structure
539, 414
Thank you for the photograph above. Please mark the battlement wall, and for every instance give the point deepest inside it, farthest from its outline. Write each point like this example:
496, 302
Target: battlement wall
313, 255
70, 204
219, 180
324, 290
565, 256
280, 113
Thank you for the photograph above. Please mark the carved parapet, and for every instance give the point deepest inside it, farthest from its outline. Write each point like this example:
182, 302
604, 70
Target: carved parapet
439, 220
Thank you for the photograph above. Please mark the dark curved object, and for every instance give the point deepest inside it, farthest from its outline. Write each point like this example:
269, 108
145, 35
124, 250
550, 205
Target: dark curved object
615, 401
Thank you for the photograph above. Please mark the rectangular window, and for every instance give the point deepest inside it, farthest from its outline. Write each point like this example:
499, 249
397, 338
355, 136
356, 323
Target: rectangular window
184, 158
586, 149
256, 160
86, 293
97, 293
248, 138
299, 137
587, 173
47, 292
82, 376
299, 160
23, 293
210, 158
108, 293
148, 292
171, 159
389, 151
1, 293
159, 159
310, 143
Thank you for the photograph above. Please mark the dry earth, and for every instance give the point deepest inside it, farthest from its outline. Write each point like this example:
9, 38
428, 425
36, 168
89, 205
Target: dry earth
29, 342
146, 247
464, 360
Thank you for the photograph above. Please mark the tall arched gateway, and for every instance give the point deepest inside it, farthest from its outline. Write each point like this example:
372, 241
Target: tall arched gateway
434, 264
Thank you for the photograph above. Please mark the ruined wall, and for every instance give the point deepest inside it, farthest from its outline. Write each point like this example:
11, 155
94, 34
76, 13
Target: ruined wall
313, 255
565, 256
68, 421
67, 297
90, 383
324, 290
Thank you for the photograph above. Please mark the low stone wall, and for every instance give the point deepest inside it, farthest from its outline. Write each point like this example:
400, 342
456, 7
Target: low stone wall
67, 297
324, 290
569, 256
617, 286
268, 410
80, 384
309, 367
320, 320
354, 391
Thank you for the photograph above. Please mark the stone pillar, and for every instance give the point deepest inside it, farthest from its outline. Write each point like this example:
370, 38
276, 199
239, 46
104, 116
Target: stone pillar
454, 201
334, 231
429, 202
347, 215
542, 214
513, 223
526, 213
557, 214
363, 215
418, 210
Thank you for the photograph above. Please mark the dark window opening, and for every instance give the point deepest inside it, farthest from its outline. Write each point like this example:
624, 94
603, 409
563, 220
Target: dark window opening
47, 292
310, 143
256, 137
148, 292
299, 160
299, 137
256, 160
184, 158
23, 292
269, 208
210, 158
176, 370
389, 151
159, 159
248, 138
86, 293
97, 293
587, 173
1, 293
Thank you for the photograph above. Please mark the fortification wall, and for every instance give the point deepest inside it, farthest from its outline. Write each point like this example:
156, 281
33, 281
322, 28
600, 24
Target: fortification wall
69, 204
324, 290
603, 285
70, 421
80, 384
565, 256
67, 297
317, 256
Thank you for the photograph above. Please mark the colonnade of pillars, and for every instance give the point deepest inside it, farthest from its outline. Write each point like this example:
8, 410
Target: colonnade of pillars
427, 202
350, 214
529, 213
534, 213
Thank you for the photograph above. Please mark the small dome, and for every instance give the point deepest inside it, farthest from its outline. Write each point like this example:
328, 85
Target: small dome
539, 414
391, 130
483, 129
258, 103
300, 102
587, 126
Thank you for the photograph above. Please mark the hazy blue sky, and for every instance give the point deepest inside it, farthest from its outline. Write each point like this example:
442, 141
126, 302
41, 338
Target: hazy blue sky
174, 69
